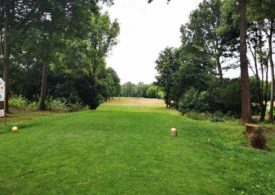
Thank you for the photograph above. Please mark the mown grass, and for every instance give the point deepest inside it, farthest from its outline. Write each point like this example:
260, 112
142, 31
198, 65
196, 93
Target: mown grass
122, 149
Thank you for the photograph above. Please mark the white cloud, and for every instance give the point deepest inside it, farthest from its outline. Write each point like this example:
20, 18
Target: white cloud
146, 29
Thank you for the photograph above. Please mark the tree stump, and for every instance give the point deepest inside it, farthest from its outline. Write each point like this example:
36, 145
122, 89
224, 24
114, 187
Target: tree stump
250, 130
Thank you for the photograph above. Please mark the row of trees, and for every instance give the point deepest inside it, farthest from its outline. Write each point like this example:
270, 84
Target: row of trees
141, 90
214, 40
58, 49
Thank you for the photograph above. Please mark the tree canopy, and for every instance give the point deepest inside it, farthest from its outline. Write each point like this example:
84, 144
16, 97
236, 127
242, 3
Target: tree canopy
58, 49
219, 36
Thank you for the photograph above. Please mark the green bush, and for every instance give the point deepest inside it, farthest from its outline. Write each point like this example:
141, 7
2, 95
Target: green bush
218, 116
193, 100
161, 94
61, 105
18, 102
76, 107
197, 115
56, 105
88, 92
21, 103
153, 92
33, 106
225, 97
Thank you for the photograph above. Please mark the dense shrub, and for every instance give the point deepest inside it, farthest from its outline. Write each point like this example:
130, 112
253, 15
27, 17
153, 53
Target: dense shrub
88, 92
224, 98
65, 85
33, 106
153, 92
217, 116
18, 102
193, 100
76, 107
22, 103
198, 115
56, 105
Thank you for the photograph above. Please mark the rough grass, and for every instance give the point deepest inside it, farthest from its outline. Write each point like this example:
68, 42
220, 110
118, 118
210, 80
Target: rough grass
124, 148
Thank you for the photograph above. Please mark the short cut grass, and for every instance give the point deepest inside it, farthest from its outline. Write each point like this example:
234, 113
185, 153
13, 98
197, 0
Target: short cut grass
125, 148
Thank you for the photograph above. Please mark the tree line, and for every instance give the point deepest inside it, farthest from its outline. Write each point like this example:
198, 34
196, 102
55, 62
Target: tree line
219, 36
141, 90
57, 49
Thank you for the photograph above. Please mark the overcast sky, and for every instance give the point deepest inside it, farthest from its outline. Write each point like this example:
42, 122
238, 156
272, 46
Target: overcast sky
146, 29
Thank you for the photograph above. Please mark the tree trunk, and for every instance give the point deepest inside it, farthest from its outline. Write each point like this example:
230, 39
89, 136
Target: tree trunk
6, 65
263, 82
245, 90
271, 118
258, 84
43, 92
9, 13
258, 81
219, 68
263, 87
265, 93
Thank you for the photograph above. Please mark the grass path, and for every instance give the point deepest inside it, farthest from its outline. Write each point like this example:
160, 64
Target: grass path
125, 148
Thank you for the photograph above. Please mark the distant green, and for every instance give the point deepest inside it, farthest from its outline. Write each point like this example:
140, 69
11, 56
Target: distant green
122, 149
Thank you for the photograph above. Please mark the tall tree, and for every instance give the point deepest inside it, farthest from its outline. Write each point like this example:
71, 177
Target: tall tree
205, 22
101, 38
57, 18
48, 23
167, 68
245, 90
7, 10
261, 17
16, 16
259, 64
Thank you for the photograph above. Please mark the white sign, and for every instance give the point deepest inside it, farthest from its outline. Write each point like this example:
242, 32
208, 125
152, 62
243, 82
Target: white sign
2, 90
2, 97
2, 113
